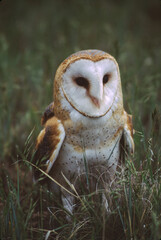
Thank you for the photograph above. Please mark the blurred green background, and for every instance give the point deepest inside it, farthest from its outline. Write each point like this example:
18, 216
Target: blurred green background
35, 36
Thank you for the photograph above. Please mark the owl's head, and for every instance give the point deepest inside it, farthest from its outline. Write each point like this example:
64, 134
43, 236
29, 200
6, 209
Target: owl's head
90, 82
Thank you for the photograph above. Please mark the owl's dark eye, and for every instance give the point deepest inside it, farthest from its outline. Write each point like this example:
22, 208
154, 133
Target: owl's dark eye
106, 78
81, 81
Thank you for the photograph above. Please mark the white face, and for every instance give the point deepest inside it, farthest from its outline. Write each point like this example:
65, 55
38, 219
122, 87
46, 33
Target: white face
91, 87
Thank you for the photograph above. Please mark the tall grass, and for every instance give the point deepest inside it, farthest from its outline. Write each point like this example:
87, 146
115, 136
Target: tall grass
133, 196
34, 38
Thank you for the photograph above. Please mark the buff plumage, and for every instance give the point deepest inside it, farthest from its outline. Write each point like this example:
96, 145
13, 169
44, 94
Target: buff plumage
87, 119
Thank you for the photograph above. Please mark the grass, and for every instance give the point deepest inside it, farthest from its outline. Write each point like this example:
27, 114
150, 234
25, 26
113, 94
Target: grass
35, 36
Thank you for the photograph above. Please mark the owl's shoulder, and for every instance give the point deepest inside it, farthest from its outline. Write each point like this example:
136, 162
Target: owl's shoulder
48, 113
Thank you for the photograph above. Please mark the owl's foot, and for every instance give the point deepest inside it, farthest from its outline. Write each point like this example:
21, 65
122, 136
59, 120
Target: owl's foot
68, 204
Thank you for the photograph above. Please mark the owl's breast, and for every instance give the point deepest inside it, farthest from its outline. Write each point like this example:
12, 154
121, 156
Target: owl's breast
95, 147
93, 135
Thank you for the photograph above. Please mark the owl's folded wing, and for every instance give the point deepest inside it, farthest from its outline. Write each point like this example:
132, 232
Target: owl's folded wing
127, 143
48, 146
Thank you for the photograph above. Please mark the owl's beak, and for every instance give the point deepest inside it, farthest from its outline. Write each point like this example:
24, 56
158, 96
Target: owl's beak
95, 101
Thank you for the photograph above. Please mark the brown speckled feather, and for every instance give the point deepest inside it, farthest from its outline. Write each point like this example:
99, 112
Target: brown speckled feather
48, 145
48, 113
126, 142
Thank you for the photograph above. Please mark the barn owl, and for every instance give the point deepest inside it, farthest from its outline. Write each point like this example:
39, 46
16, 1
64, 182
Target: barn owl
87, 121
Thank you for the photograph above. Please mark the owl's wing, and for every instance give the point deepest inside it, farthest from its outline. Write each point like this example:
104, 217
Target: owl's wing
127, 143
48, 145
48, 113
